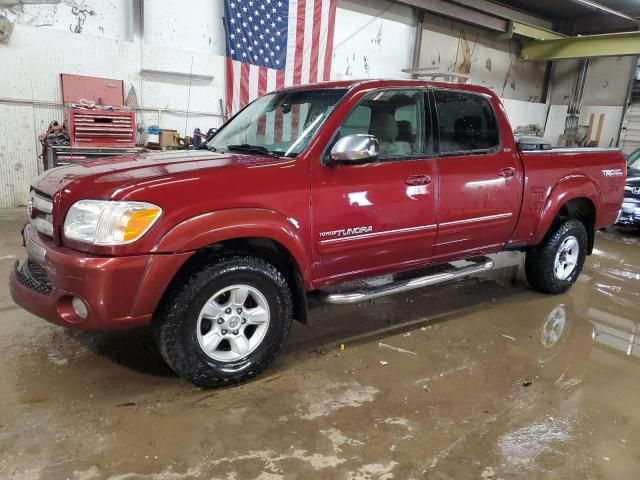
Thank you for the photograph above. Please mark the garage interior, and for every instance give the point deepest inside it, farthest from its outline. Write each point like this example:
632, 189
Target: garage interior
478, 378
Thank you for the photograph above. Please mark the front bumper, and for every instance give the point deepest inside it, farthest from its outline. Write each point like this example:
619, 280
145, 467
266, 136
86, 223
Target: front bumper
629, 214
119, 292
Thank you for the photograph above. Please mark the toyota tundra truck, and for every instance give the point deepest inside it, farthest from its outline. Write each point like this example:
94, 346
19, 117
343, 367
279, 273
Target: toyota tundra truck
316, 190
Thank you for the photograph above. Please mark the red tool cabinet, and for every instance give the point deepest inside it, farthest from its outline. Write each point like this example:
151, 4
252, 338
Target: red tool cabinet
100, 128
108, 124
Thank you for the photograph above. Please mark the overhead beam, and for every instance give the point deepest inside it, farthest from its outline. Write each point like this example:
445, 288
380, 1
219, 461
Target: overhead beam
505, 12
461, 13
607, 45
532, 32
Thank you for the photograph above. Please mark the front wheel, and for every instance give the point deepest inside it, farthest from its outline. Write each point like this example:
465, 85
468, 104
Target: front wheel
226, 323
554, 265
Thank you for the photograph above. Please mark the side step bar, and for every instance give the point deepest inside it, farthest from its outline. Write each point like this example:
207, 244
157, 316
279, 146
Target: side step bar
479, 265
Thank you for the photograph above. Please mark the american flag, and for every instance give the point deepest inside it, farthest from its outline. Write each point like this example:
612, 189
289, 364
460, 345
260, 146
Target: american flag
272, 44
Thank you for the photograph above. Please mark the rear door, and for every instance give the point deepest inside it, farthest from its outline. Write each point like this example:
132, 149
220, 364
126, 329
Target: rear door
480, 180
379, 215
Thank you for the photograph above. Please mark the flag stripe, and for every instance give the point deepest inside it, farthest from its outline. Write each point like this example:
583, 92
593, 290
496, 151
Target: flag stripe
262, 81
254, 75
322, 41
315, 41
277, 134
280, 79
295, 121
244, 83
262, 87
307, 59
328, 52
271, 79
292, 42
297, 69
236, 105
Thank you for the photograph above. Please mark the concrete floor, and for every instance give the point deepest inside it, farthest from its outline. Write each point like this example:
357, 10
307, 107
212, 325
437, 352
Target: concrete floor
478, 379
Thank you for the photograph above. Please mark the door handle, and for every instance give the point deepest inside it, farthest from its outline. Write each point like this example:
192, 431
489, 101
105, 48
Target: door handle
416, 180
507, 172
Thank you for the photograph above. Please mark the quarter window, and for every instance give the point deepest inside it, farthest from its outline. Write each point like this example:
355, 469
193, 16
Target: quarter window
396, 118
466, 122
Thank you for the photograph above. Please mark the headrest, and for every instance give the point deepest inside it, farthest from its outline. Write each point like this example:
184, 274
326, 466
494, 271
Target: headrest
384, 127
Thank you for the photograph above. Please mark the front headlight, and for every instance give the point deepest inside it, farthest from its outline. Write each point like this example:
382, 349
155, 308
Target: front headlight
104, 222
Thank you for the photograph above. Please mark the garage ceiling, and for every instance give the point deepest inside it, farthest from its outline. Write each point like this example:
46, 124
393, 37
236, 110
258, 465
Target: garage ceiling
574, 16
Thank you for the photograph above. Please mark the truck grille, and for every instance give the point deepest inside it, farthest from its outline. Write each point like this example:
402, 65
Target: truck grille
40, 209
34, 277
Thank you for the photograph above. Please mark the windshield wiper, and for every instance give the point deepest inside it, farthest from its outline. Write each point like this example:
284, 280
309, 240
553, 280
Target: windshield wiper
207, 146
245, 147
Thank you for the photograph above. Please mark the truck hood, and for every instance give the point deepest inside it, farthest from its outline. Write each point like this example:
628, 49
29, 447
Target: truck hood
106, 175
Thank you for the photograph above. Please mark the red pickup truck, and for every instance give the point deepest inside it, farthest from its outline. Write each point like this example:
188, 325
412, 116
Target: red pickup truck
306, 190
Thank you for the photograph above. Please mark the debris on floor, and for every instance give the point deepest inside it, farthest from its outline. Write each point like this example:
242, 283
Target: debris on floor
397, 349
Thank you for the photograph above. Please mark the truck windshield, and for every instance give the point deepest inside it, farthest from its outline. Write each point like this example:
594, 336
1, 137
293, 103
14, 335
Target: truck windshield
278, 124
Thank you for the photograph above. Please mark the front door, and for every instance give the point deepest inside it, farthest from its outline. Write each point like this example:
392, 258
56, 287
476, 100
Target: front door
480, 181
381, 215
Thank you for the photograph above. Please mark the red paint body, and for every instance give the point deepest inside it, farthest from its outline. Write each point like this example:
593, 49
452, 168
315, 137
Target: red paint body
421, 212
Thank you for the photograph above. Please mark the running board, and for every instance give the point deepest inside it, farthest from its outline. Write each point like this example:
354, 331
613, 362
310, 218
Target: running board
479, 265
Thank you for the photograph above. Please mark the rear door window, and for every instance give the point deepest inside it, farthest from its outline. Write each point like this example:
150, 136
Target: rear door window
466, 122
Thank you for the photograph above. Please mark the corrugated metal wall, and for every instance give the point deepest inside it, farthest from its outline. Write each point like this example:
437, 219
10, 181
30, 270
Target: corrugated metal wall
18, 153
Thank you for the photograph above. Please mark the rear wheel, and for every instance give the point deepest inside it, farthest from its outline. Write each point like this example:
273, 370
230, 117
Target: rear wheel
554, 265
226, 323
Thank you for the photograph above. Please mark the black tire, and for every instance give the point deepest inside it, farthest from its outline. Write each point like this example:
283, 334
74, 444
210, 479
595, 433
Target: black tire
177, 319
540, 260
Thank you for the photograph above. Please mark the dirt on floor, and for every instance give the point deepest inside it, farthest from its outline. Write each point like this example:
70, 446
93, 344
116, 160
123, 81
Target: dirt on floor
482, 378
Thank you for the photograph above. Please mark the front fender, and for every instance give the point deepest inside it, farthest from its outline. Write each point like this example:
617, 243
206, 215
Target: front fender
213, 227
569, 188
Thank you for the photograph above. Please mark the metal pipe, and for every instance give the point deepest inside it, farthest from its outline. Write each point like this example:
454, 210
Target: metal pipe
50, 103
575, 105
602, 8
417, 39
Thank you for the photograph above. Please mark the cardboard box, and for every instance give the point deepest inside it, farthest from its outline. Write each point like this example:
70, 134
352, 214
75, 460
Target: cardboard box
168, 138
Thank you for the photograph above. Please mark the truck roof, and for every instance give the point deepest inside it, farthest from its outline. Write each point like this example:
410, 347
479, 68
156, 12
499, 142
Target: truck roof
382, 83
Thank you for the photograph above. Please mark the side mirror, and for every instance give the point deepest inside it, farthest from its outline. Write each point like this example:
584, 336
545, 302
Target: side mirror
528, 143
354, 149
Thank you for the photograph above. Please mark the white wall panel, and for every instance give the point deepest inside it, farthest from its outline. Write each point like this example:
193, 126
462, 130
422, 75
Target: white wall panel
608, 81
195, 25
525, 113
110, 18
555, 123
494, 63
372, 39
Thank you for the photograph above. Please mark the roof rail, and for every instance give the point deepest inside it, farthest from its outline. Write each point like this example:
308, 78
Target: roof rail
433, 73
